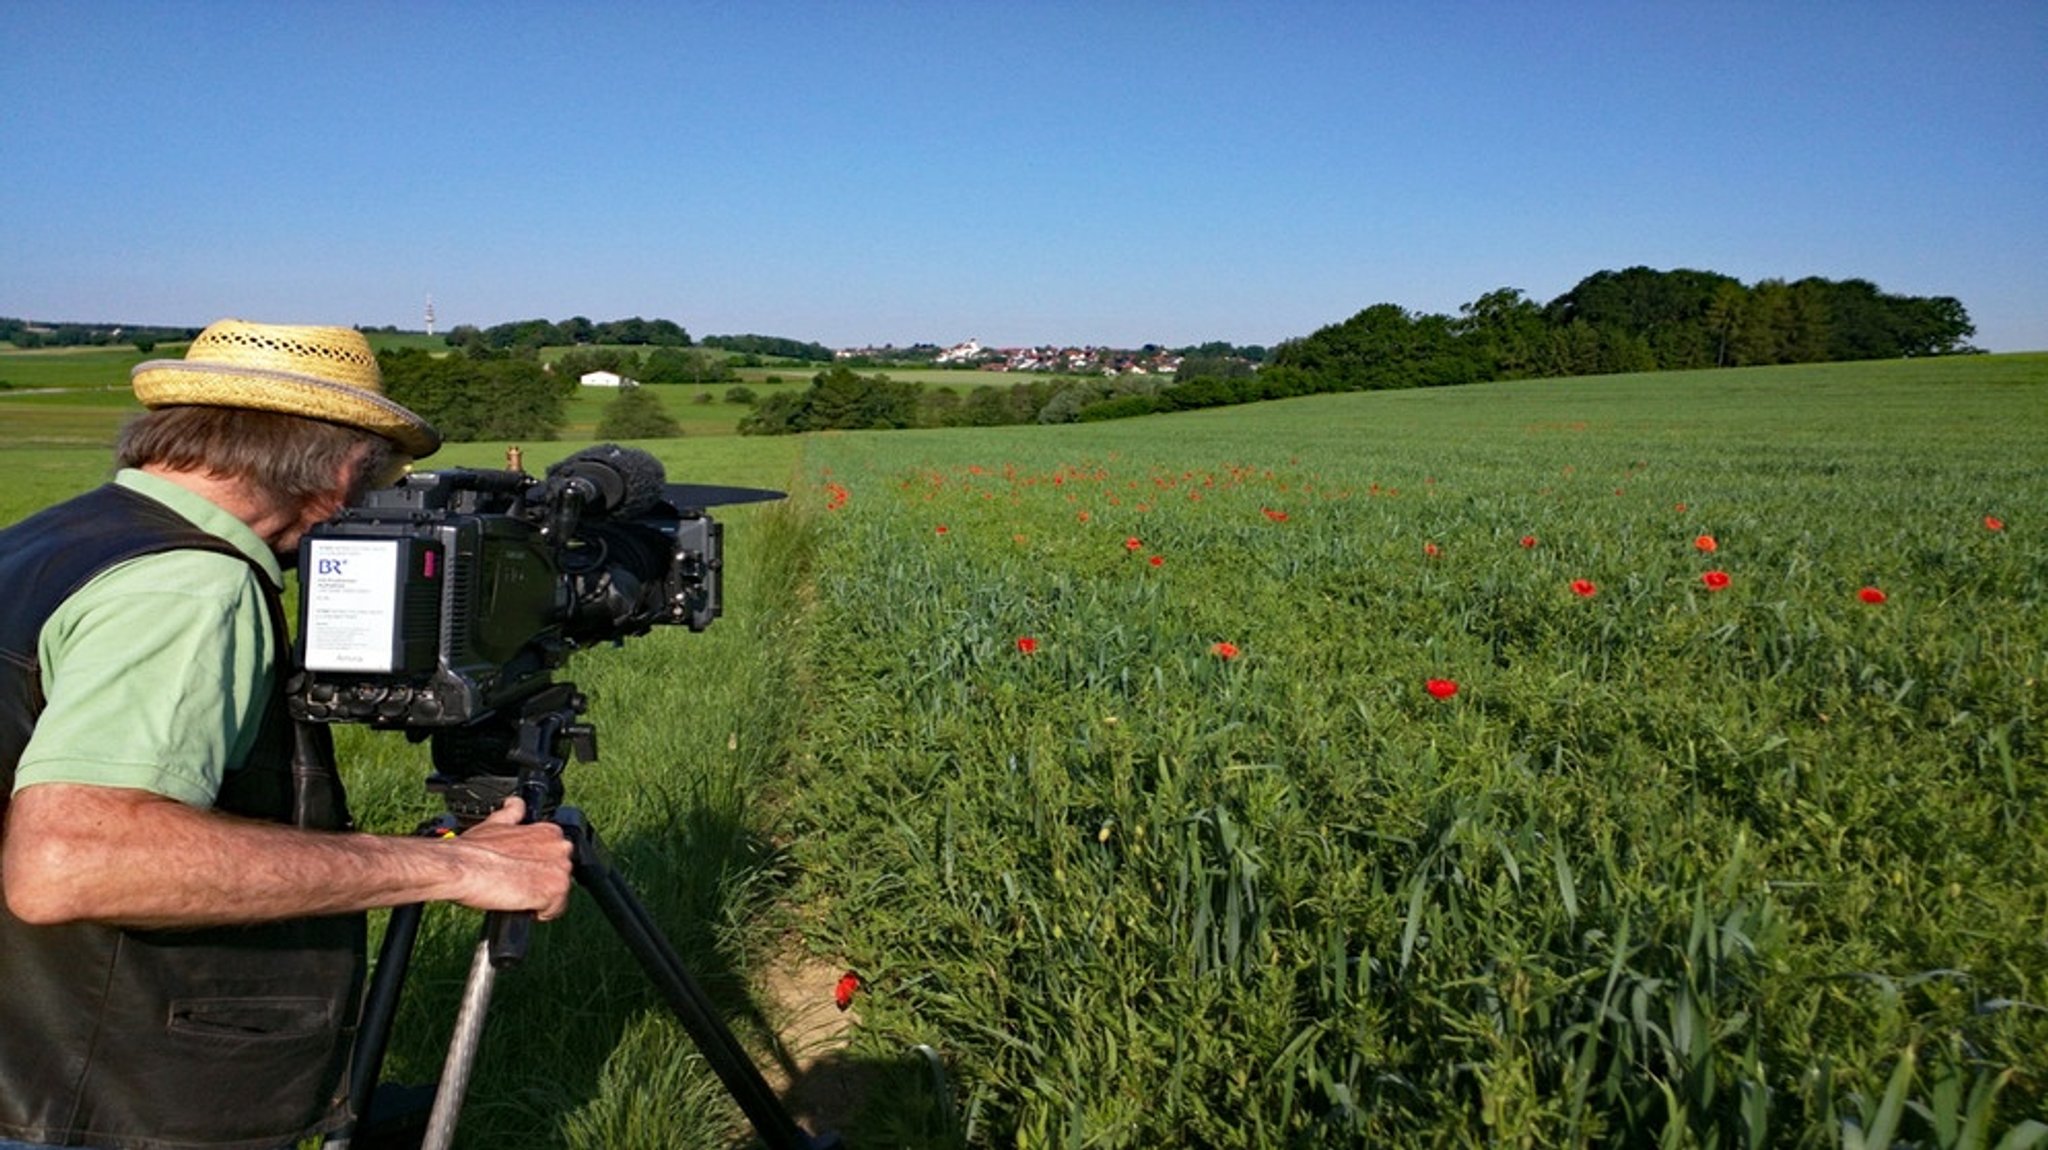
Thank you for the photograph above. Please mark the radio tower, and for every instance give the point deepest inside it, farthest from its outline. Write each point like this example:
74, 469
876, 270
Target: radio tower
430, 313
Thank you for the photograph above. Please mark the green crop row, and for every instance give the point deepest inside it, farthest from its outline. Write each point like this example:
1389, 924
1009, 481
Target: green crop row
1642, 761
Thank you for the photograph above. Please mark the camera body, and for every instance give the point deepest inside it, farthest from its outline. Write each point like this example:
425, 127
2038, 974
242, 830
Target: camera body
451, 596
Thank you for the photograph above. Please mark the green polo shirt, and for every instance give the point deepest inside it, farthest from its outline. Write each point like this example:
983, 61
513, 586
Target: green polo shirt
159, 669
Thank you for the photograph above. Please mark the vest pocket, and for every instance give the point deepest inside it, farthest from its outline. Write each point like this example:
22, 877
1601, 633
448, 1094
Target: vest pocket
251, 1019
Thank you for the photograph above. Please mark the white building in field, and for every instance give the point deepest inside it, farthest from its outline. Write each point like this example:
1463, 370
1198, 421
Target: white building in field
961, 353
606, 379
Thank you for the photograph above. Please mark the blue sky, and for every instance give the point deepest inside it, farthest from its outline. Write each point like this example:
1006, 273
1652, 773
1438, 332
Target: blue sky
1104, 173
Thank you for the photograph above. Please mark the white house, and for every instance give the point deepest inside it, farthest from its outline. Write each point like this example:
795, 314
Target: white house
960, 353
606, 379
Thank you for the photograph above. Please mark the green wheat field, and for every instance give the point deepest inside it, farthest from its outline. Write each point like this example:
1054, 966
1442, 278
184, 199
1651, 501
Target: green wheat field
1649, 760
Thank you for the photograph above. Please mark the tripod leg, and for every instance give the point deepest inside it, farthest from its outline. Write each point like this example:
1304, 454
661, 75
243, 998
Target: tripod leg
469, 1030
638, 930
380, 1008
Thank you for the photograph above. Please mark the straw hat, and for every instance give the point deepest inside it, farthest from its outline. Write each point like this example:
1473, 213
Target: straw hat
324, 373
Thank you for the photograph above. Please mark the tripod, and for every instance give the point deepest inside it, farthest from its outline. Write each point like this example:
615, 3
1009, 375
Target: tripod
546, 723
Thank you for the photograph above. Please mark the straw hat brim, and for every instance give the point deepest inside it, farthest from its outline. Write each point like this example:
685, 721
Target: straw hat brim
176, 382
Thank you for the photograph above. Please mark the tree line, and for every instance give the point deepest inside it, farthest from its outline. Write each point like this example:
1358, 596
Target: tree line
1638, 319
530, 335
485, 394
144, 337
771, 347
841, 398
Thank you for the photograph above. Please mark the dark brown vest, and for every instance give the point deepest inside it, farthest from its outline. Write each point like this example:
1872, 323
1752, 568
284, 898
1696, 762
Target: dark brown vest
232, 1038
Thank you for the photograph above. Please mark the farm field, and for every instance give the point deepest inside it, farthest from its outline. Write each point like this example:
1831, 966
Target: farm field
702, 410
1621, 761
1644, 760
80, 367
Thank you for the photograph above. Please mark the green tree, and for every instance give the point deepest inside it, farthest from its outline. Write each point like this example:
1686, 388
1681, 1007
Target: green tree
838, 399
1206, 366
939, 407
843, 399
581, 361
1722, 316
1385, 346
1808, 323
1764, 328
691, 366
770, 345
637, 414
1506, 330
1935, 325
472, 400
522, 401
1665, 310
778, 414
437, 387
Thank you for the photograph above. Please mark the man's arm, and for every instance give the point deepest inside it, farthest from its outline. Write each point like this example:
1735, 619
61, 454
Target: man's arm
74, 853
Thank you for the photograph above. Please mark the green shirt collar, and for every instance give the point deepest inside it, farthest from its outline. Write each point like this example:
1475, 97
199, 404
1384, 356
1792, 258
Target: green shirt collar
206, 515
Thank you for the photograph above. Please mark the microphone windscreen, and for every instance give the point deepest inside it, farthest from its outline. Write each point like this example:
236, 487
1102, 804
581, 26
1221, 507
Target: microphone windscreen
631, 480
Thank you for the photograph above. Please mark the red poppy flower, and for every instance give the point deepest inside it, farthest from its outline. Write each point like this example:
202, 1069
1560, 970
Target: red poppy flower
1440, 688
1583, 588
1706, 544
1027, 645
1275, 516
1224, 651
1528, 541
1157, 561
1993, 523
1430, 549
842, 994
1133, 543
1715, 580
1083, 517
1871, 595
941, 529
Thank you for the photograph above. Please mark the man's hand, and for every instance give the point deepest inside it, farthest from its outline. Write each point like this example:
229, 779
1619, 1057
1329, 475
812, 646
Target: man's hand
518, 865
73, 853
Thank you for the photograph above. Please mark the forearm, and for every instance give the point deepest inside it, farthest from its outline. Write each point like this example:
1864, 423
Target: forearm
86, 853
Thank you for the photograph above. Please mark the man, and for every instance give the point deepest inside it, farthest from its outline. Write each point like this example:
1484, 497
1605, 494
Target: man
181, 943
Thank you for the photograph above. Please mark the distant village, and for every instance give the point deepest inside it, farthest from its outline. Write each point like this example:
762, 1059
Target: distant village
1068, 360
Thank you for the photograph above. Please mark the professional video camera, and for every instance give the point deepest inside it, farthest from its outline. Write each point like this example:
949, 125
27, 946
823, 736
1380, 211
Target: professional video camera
434, 603
440, 607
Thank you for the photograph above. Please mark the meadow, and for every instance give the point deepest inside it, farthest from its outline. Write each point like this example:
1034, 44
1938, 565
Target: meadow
1642, 760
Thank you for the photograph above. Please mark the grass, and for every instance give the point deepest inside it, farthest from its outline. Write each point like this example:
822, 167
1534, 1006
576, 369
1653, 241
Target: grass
1673, 865
79, 367
1759, 866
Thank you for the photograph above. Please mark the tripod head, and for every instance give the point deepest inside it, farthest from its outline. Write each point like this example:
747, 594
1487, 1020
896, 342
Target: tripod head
478, 767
